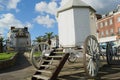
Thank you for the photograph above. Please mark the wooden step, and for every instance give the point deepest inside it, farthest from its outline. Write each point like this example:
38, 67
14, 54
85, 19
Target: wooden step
52, 60
59, 49
44, 71
54, 56
46, 60
59, 52
48, 65
41, 77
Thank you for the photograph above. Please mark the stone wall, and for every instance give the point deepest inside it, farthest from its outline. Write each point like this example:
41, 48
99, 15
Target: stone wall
8, 63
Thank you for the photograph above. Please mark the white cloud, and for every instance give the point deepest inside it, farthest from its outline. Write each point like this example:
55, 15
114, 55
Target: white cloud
45, 20
101, 6
1, 31
50, 8
95, 3
12, 4
46, 9
63, 2
27, 24
8, 20
56, 0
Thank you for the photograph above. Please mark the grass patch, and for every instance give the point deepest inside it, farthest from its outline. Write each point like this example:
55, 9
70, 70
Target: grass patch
37, 54
6, 56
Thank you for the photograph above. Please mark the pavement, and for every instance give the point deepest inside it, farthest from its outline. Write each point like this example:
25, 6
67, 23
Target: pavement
20, 71
23, 70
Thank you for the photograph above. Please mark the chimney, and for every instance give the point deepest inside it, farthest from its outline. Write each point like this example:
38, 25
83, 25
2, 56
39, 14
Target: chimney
98, 16
26, 28
12, 27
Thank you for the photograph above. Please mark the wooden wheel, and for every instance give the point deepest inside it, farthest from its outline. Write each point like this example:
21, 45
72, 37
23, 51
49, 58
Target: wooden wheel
38, 52
109, 53
118, 50
118, 53
72, 58
91, 56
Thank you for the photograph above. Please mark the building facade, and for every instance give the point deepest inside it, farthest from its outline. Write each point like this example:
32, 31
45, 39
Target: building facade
109, 26
55, 42
18, 38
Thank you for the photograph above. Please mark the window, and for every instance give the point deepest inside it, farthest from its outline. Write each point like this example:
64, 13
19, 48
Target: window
106, 23
110, 21
107, 33
119, 19
102, 33
111, 31
101, 24
119, 30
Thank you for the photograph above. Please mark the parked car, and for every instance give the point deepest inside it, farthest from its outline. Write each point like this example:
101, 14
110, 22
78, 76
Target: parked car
114, 45
103, 47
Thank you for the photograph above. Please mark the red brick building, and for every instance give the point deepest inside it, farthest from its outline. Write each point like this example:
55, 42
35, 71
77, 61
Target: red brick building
109, 24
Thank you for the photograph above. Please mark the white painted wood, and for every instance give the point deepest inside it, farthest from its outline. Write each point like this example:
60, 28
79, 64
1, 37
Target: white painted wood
66, 28
76, 20
81, 25
93, 24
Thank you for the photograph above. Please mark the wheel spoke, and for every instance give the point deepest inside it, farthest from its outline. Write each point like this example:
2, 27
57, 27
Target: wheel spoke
91, 46
91, 57
37, 54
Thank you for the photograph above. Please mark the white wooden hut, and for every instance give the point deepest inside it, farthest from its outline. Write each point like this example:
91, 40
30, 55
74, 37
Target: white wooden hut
76, 20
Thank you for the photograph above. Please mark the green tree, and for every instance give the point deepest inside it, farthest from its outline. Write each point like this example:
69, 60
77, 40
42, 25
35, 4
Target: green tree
1, 44
40, 39
49, 35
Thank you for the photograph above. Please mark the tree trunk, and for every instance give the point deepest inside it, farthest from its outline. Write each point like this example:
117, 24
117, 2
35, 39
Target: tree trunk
49, 42
1, 47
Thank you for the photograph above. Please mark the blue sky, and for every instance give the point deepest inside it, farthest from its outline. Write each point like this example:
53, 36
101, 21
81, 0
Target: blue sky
40, 15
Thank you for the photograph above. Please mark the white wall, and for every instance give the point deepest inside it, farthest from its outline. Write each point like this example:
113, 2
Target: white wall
18, 42
66, 28
93, 25
54, 42
81, 24
23, 42
74, 26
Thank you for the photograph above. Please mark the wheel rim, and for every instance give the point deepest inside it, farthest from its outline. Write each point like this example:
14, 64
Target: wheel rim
37, 53
91, 56
118, 50
72, 58
109, 53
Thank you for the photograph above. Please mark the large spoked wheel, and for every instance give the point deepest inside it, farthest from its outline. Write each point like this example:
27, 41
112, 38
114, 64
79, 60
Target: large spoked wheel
38, 52
91, 56
109, 53
118, 50
72, 57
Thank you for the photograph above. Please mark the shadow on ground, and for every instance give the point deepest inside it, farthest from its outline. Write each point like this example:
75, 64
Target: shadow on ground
110, 72
107, 72
21, 63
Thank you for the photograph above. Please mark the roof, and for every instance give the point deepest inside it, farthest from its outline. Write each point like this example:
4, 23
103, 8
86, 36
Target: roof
74, 3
